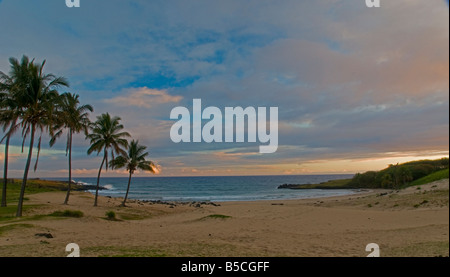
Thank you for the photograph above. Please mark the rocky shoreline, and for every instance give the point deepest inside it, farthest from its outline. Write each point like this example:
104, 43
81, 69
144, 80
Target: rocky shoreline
172, 204
315, 186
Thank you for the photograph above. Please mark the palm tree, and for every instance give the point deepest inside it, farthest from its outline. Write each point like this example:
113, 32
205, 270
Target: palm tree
9, 114
106, 135
71, 116
35, 93
133, 160
8, 121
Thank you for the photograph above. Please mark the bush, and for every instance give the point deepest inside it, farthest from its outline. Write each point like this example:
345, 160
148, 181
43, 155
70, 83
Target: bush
110, 215
68, 213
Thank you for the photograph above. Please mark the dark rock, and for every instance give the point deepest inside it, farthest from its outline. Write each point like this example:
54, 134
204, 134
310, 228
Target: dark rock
46, 235
291, 186
87, 187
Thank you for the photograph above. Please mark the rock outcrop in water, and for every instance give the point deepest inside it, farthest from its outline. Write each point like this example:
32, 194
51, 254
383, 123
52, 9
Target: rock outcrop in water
290, 186
78, 187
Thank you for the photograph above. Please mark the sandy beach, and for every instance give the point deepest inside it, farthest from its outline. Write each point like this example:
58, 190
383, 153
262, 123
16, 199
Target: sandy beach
410, 222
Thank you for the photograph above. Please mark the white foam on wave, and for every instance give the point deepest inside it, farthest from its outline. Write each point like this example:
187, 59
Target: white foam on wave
109, 187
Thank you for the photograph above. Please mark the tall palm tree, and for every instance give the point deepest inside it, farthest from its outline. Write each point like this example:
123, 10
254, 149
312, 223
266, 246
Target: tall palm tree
9, 114
74, 117
106, 136
8, 121
35, 93
133, 160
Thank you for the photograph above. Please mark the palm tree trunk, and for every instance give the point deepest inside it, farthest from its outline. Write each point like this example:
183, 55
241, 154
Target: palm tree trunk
25, 174
128, 189
98, 179
5, 172
66, 201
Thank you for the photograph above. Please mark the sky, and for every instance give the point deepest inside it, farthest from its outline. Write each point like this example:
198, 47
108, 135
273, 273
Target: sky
356, 88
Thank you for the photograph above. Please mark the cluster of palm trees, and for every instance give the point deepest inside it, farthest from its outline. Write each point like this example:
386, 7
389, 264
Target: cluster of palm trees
30, 102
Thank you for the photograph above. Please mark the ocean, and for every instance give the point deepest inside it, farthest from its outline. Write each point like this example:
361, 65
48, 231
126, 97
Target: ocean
215, 189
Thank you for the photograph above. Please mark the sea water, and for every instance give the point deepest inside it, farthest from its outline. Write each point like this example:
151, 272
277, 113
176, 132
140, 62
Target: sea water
214, 188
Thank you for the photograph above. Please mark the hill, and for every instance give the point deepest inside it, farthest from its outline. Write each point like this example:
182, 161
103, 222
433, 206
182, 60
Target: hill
393, 177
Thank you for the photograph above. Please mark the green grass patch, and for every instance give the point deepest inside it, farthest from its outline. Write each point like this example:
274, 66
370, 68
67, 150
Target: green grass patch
436, 176
11, 227
111, 215
9, 212
33, 186
420, 249
217, 216
67, 213
132, 216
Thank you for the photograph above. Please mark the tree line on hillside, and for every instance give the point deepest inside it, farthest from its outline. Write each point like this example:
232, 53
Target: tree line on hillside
31, 105
398, 175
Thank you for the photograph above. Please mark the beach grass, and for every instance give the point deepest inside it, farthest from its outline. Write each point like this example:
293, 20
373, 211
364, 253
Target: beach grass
216, 216
9, 212
67, 213
420, 249
436, 176
33, 186
37, 186
132, 216
110, 215
12, 227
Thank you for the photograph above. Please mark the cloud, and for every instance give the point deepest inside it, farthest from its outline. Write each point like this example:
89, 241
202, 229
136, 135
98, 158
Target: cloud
143, 98
350, 82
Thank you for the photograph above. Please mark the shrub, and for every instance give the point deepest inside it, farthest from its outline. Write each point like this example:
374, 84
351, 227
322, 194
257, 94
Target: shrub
110, 215
68, 213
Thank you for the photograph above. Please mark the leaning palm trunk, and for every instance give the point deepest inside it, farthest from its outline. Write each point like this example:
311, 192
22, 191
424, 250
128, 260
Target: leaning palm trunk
128, 189
98, 179
5, 172
66, 201
25, 174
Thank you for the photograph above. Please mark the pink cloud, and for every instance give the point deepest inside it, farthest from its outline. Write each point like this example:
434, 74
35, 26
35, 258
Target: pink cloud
144, 97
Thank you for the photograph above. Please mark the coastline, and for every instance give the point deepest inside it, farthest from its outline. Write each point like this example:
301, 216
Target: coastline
410, 222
